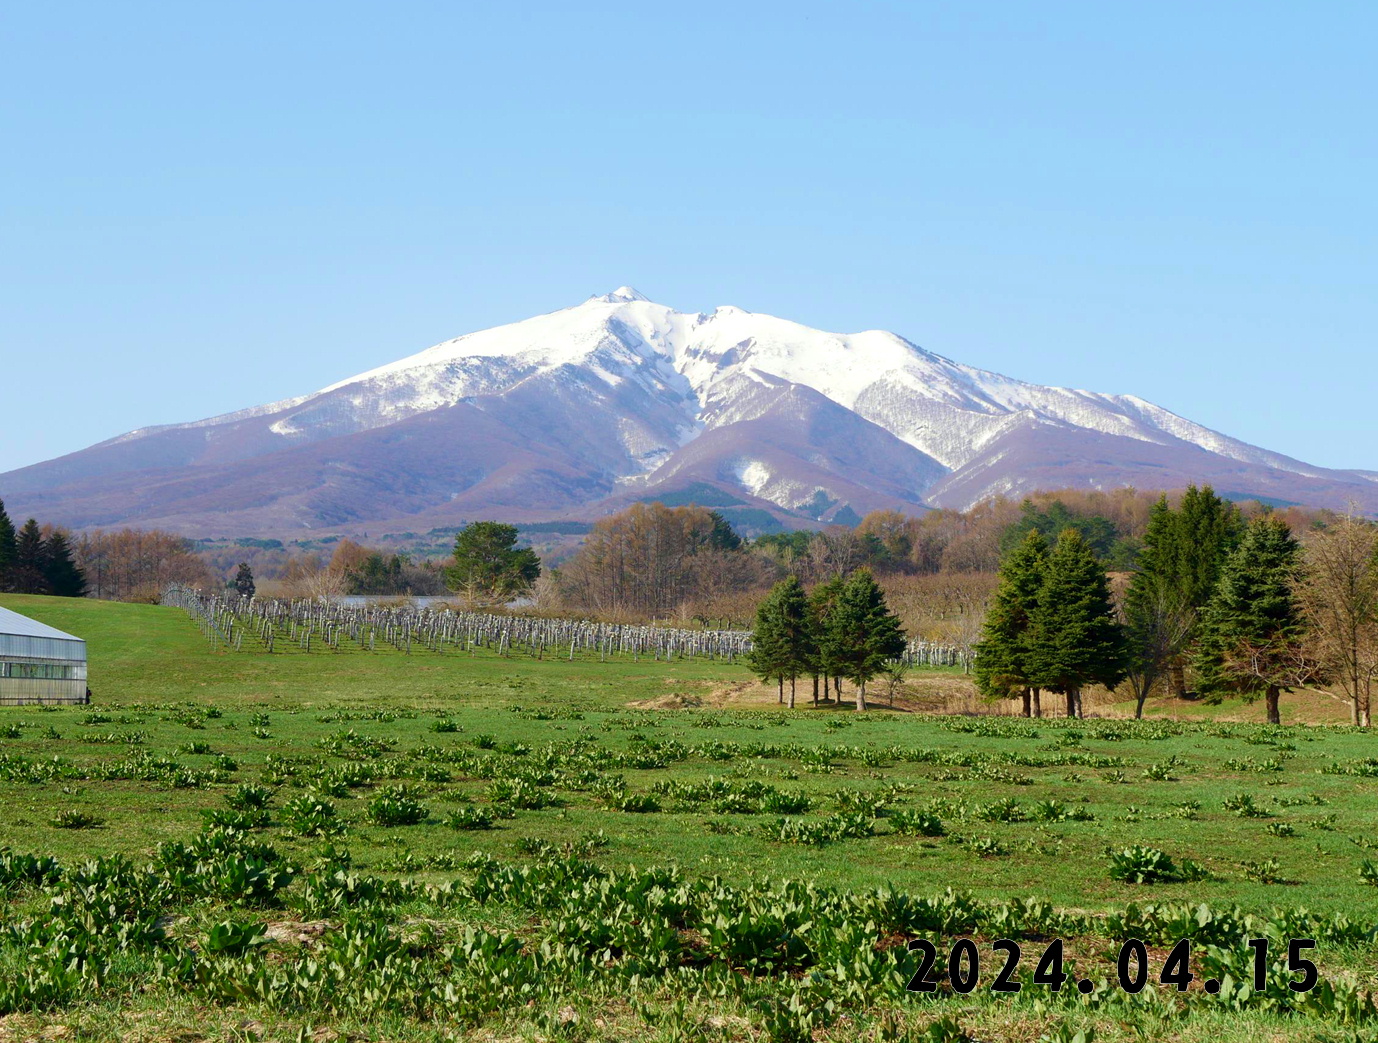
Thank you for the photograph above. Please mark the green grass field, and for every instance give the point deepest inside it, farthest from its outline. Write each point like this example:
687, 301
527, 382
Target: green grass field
552, 759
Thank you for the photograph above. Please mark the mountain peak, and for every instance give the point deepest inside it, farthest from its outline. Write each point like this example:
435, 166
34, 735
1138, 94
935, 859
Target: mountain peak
623, 295
562, 414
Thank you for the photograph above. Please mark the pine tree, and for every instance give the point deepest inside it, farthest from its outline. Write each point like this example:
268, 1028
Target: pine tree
768, 656
1178, 567
1001, 668
27, 574
783, 642
1159, 615
862, 632
1251, 629
244, 581
8, 550
60, 572
1209, 529
1074, 639
1205, 530
796, 630
488, 560
822, 602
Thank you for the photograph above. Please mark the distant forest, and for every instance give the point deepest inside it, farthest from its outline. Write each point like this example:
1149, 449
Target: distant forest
682, 562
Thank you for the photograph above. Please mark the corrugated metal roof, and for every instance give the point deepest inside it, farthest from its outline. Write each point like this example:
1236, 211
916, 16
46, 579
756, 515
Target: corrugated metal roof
14, 623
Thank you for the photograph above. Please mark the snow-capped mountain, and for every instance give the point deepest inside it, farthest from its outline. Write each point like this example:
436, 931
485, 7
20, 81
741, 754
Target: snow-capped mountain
580, 411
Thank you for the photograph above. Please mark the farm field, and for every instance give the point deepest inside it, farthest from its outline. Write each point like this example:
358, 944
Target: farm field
465, 844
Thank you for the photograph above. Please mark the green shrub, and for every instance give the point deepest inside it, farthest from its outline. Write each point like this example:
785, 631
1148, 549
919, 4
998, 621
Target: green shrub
1142, 865
231, 818
470, 818
916, 823
637, 803
247, 797
311, 815
778, 803
520, 793
395, 808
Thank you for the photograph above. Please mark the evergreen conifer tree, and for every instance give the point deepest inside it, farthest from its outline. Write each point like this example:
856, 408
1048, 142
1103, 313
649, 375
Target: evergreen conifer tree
784, 636
768, 655
8, 549
1159, 614
487, 559
28, 575
1251, 629
862, 632
1001, 668
244, 581
797, 631
822, 602
1184, 551
1208, 530
60, 571
1074, 638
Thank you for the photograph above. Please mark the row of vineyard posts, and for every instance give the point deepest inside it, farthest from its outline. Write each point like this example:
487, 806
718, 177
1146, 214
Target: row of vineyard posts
255, 624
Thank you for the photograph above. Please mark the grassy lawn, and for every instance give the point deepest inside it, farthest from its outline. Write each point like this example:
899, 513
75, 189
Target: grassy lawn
554, 758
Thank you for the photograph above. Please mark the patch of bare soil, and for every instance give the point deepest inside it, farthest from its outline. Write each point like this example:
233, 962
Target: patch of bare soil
673, 701
296, 932
956, 694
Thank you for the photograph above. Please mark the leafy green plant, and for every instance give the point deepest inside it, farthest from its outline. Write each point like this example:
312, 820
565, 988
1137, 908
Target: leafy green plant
1243, 805
1003, 810
230, 818
914, 822
311, 815
1161, 772
470, 818
778, 803
248, 797
1266, 871
637, 803
71, 819
521, 793
1142, 865
230, 938
987, 847
395, 808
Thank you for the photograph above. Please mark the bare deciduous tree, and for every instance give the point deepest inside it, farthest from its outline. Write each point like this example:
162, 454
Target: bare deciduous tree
1338, 592
650, 560
136, 564
309, 577
1158, 624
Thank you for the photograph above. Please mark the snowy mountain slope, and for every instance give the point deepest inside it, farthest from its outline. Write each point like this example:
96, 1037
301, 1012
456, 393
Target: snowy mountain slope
619, 397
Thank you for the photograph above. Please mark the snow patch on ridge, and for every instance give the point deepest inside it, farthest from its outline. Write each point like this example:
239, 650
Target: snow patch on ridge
751, 475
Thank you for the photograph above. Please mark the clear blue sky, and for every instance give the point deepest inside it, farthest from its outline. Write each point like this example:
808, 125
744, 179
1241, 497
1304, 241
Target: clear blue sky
208, 206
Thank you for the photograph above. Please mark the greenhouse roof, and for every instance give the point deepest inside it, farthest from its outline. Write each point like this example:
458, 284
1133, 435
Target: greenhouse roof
23, 626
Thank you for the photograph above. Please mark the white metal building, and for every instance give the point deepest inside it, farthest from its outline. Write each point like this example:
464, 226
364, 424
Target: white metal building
38, 663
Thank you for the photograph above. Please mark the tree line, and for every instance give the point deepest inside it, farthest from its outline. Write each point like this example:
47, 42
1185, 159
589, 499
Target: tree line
840, 629
1245, 607
37, 561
